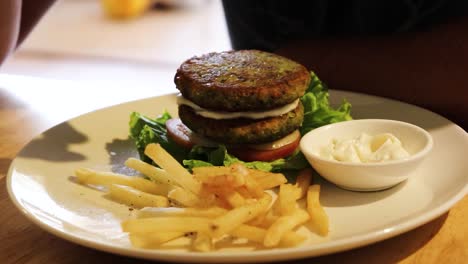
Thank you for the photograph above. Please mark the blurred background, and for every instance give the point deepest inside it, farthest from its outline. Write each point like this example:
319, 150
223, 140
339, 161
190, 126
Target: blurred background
129, 43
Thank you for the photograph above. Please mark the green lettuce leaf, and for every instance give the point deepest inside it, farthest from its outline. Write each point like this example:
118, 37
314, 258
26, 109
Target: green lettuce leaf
317, 109
204, 156
144, 130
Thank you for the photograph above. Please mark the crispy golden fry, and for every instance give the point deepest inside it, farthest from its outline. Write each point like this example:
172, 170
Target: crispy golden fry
257, 174
225, 223
234, 196
210, 196
183, 197
156, 174
212, 171
252, 233
92, 177
244, 192
233, 176
230, 180
303, 181
180, 175
167, 224
257, 234
318, 216
209, 212
234, 199
202, 242
283, 225
153, 240
136, 198
225, 197
292, 239
268, 180
265, 220
253, 186
286, 201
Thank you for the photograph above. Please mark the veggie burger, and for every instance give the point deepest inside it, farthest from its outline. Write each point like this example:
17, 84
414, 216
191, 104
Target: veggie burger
247, 100
245, 106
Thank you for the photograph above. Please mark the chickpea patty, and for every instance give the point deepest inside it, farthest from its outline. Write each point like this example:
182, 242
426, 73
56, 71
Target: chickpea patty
245, 80
243, 130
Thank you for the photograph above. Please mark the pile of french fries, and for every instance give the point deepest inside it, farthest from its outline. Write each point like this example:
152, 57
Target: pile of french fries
211, 203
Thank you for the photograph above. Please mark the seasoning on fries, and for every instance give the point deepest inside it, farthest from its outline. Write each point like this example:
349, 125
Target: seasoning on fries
211, 203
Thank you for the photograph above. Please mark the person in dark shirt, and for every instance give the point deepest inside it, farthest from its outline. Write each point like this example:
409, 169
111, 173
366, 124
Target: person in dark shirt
415, 51
269, 24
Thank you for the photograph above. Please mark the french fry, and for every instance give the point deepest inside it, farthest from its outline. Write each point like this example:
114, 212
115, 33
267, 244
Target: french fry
251, 233
292, 239
225, 223
136, 198
288, 194
225, 195
257, 234
303, 181
283, 225
202, 242
228, 180
233, 175
209, 212
244, 192
265, 219
92, 177
183, 197
180, 175
268, 180
154, 173
318, 216
253, 187
209, 197
234, 199
216, 202
153, 240
167, 224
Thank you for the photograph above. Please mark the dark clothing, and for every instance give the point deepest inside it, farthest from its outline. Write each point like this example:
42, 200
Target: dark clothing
267, 24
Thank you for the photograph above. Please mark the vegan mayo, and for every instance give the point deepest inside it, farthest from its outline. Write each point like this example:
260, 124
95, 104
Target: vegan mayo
365, 148
232, 115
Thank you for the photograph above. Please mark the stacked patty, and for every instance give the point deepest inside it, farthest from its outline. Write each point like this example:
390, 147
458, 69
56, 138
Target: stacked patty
243, 82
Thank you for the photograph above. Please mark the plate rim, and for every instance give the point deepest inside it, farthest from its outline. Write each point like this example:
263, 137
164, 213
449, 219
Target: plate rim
326, 248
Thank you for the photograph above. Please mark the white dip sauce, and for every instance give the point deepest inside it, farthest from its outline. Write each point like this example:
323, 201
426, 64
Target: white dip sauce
365, 148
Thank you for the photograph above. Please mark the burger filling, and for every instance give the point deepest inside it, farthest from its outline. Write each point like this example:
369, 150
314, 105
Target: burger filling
233, 115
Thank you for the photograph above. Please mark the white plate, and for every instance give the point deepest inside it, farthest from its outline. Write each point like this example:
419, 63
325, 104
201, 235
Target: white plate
39, 184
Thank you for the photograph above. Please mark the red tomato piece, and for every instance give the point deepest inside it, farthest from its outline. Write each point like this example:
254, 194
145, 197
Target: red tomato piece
179, 133
183, 136
249, 154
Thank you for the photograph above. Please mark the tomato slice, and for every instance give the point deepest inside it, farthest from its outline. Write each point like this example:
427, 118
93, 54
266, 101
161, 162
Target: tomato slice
250, 154
183, 136
179, 133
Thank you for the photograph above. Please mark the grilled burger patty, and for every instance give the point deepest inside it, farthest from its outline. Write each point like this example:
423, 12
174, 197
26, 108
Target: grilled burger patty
245, 80
242, 130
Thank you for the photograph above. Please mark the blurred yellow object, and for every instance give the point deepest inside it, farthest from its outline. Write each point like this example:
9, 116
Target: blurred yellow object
124, 9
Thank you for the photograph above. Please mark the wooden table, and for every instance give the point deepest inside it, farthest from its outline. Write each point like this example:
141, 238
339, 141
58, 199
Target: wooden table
31, 105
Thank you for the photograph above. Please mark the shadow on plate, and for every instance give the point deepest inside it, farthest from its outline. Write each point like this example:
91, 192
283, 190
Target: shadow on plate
119, 151
333, 196
53, 144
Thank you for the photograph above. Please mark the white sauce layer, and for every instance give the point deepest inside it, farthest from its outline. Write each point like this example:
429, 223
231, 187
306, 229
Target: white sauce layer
365, 148
232, 115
